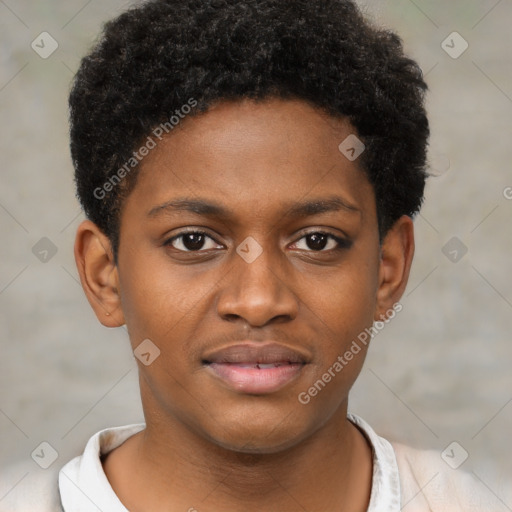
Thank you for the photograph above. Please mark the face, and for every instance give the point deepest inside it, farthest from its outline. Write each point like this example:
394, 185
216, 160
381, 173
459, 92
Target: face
249, 255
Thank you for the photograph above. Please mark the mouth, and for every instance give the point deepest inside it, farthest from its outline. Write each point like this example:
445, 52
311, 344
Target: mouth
256, 368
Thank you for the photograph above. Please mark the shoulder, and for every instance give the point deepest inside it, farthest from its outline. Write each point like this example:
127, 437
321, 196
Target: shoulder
24, 486
429, 482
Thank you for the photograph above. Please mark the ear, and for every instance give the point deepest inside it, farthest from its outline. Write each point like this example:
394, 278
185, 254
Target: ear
397, 252
98, 273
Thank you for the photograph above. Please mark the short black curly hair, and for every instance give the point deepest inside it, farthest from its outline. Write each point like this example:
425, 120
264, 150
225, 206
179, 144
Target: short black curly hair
152, 59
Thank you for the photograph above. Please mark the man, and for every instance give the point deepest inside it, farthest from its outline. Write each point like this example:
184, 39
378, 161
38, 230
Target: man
249, 171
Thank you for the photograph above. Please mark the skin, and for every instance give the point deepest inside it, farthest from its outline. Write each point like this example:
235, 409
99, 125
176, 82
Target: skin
207, 446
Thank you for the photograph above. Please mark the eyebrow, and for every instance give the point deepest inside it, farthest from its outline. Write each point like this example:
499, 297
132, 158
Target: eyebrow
212, 209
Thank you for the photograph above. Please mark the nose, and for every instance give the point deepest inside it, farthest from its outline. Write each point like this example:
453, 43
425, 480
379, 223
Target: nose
258, 291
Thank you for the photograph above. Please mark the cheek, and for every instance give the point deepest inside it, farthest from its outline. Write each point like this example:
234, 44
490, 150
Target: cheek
344, 315
149, 297
167, 305
150, 292
344, 310
347, 300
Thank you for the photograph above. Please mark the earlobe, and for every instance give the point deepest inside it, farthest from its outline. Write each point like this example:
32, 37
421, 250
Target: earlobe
98, 273
395, 264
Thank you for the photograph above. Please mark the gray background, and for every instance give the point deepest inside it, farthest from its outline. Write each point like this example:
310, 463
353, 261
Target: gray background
440, 372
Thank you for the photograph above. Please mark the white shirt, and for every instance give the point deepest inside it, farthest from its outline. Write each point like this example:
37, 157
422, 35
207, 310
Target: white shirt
404, 479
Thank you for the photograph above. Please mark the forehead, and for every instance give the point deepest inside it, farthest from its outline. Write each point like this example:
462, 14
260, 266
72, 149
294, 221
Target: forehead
254, 156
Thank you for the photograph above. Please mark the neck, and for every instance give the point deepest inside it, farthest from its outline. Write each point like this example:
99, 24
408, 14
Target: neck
328, 470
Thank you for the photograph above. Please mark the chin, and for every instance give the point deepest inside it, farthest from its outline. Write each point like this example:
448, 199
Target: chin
254, 446
260, 434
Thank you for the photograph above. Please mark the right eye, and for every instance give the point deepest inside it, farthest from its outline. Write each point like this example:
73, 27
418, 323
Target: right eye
190, 241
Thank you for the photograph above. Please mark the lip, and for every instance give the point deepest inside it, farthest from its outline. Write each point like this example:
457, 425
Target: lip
256, 368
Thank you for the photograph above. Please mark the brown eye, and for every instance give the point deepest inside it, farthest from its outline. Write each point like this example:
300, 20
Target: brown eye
319, 241
190, 241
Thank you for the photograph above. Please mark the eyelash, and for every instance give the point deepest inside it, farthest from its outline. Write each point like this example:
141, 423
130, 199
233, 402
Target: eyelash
342, 242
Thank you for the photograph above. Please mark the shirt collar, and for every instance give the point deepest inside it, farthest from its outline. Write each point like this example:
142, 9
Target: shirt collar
84, 486
386, 491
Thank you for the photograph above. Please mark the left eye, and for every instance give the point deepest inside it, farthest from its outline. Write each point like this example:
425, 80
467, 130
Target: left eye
319, 242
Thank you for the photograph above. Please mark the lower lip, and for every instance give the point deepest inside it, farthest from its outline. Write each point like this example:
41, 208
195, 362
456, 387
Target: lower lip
254, 380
